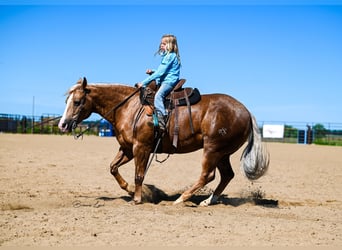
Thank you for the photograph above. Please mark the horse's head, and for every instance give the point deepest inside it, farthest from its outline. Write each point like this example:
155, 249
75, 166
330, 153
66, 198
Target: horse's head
77, 107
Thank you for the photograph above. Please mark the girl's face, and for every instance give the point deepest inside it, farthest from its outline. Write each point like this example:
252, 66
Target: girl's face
163, 45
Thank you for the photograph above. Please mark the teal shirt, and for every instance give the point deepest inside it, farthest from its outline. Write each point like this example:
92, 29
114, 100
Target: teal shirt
168, 71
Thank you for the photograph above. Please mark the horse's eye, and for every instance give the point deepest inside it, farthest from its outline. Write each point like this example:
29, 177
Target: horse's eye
77, 103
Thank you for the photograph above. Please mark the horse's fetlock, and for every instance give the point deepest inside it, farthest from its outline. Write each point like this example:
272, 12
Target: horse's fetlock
139, 179
124, 186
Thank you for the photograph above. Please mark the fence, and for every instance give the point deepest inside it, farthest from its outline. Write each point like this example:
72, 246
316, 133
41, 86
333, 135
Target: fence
293, 132
48, 124
307, 133
45, 124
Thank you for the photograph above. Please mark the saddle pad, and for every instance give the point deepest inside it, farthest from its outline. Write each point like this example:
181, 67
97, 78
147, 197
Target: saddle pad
194, 96
179, 98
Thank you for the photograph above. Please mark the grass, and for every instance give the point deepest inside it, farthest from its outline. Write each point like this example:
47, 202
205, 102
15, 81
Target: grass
328, 142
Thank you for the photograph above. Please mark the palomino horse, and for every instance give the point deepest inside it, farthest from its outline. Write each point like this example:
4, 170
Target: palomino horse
221, 125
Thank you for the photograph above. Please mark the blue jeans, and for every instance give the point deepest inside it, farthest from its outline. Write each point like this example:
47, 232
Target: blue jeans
159, 98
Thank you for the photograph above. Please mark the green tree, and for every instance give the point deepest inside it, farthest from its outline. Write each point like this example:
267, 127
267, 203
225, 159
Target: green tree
290, 132
319, 130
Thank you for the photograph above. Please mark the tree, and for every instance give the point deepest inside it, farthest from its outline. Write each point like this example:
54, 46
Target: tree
319, 130
290, 132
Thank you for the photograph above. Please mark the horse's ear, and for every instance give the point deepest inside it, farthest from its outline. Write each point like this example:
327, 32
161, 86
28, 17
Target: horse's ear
84, 83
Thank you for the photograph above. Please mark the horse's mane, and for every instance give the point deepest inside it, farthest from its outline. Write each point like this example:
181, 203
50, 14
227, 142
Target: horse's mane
104, 84
72, 89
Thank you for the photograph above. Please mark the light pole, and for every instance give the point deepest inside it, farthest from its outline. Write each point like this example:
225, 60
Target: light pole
33, 115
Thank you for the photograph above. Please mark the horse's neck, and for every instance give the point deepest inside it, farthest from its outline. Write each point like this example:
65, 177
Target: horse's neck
106, 98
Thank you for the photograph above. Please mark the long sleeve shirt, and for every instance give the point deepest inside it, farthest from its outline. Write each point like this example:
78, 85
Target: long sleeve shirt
168, 71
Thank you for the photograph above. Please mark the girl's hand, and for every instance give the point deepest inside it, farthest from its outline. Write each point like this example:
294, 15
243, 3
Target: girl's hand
149, 71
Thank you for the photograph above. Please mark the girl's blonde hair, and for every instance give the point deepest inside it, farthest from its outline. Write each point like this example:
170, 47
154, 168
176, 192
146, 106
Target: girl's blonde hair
171, 45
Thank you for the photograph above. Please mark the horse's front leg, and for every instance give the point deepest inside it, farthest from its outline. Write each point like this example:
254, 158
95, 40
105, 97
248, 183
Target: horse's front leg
121, 158
141, 156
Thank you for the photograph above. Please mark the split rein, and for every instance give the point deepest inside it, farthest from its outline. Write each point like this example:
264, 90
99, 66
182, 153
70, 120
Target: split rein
77, 136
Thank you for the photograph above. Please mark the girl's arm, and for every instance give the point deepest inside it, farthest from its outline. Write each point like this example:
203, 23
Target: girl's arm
162, 69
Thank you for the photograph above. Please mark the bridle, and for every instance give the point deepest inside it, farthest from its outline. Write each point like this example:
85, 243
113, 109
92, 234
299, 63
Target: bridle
82, 104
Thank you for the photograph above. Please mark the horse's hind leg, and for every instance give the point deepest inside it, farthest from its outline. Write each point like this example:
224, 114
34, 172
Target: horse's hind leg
120, 159
207, 175
227, 175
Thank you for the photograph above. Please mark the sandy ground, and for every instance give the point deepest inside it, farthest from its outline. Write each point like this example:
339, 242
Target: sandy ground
57, 191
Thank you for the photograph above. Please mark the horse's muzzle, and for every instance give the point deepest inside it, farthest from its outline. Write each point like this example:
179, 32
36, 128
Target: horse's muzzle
67, 125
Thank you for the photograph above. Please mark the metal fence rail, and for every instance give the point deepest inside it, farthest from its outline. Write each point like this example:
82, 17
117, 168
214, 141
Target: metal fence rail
48, 124
307, 133
294, 132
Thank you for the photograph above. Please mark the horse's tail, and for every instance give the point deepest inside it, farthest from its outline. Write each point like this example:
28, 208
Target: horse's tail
255, 157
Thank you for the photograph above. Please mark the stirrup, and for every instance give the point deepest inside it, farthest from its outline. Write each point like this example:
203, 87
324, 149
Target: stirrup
159, 120
161, 123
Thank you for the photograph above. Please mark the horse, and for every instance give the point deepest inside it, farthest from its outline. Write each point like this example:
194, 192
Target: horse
220, 125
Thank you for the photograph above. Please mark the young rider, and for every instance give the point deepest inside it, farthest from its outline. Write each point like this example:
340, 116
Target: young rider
167, 75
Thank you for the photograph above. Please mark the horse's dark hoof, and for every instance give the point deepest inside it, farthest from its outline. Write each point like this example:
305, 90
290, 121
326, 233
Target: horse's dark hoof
137, 202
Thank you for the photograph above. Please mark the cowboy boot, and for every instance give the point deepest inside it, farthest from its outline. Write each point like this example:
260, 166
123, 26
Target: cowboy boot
161, 121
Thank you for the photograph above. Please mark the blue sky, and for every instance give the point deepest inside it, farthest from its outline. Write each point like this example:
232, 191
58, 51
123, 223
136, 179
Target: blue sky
282, 59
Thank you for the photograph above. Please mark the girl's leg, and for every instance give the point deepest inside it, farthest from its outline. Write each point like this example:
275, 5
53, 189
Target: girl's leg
159, 98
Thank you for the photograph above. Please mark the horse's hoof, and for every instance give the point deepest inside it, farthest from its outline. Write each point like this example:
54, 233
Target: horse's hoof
134, 202
210, 201
204, 203
137, 202
178, 201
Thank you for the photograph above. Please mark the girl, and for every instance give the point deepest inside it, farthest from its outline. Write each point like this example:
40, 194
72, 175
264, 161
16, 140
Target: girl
167, 75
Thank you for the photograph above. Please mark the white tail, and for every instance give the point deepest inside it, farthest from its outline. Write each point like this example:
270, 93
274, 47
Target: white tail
255, 157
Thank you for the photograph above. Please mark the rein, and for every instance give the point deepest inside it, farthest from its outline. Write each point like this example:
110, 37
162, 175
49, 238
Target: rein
44, 122
111, 110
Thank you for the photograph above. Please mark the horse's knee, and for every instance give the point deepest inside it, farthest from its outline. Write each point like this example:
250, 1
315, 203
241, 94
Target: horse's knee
114, 169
